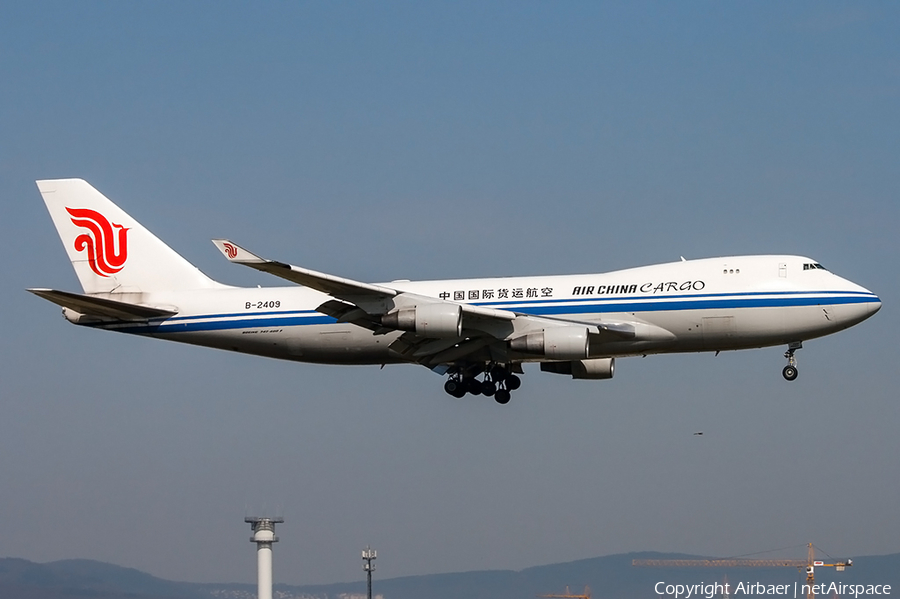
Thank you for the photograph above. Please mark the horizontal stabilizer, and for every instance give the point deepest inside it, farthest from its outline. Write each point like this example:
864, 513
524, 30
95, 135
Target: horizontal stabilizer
102, 308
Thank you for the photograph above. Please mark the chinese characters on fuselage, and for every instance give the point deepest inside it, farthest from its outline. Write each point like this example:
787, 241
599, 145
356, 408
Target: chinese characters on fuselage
500, 293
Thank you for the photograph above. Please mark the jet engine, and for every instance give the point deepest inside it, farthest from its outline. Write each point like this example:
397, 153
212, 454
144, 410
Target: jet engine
427, 320
598, 368
557, 343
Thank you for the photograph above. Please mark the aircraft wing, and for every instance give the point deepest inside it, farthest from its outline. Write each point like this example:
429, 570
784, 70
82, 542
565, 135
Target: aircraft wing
339, 287
482, 333
372, 299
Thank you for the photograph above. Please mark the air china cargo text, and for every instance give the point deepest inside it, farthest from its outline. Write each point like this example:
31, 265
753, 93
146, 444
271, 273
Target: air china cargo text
651, 288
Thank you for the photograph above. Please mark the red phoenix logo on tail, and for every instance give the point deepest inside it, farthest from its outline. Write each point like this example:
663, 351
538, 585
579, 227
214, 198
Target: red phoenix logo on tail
230, 250
106, 243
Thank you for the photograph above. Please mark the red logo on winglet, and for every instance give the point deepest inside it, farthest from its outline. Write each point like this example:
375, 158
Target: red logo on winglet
230, 250
106, 243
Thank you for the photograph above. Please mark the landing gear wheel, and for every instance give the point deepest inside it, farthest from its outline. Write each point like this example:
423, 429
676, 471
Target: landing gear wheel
455, 388
502, 396
789, 373
473, 386
489, 388
513, 382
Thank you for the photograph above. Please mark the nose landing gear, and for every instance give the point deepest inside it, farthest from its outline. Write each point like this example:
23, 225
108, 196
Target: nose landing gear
790, 371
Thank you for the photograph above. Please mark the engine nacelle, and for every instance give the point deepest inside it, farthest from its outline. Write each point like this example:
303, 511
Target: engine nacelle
427, 320
556, 343
596, 369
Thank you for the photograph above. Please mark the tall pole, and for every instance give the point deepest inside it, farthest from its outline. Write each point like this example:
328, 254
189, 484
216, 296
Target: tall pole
368, 556
263, 536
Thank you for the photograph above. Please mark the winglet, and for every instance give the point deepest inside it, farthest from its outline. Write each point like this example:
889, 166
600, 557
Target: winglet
236, 253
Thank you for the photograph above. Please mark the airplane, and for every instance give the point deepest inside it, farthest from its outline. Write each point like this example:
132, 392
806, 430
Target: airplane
477, 332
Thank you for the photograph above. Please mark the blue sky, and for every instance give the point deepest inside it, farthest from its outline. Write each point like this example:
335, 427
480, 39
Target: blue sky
403, 140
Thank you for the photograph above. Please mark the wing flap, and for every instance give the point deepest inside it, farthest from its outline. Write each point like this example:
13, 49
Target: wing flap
432, 352
344, 312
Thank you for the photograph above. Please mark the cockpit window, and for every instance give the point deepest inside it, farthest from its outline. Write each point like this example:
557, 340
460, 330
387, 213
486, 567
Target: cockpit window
813, 266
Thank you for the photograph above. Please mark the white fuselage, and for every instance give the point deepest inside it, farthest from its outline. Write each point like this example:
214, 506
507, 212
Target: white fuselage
701, 305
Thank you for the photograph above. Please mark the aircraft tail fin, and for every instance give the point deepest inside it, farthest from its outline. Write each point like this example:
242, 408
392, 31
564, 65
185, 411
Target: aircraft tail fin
110, 251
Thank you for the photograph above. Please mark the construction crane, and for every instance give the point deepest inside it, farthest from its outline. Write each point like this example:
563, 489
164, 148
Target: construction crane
569, 595
810, 564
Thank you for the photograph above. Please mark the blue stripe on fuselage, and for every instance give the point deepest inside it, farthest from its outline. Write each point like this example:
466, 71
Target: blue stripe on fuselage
603, 298
537, 307
703, 304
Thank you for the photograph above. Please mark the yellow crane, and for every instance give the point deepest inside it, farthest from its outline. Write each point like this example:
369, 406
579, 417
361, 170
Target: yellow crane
810, 564
569, 595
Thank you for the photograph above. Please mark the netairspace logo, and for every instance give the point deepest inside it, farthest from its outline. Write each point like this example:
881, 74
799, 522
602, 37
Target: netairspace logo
709, 591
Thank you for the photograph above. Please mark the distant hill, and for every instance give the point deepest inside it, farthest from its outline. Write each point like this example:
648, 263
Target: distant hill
21, 579
611, 577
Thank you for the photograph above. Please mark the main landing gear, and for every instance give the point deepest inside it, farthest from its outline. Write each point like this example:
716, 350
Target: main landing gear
790, 371
498, 381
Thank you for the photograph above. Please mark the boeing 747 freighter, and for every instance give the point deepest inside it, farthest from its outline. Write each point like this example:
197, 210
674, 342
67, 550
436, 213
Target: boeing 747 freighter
478, 332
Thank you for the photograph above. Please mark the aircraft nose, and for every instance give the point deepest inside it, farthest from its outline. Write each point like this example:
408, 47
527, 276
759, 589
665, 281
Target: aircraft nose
874, 306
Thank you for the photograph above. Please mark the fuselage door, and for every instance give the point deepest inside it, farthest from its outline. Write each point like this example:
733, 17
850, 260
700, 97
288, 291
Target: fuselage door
782, 270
